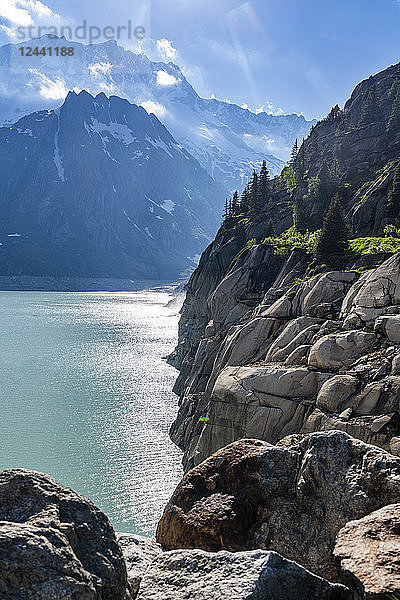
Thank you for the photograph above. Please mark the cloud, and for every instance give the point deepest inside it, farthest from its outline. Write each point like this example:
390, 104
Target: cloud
165, 79
26, 13
49, 89
154, 107
166, 49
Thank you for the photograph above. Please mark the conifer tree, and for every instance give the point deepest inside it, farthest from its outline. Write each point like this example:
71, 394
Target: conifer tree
294, 153
235, 203
393, 205
300, 165
253, 194
334, 236
226, 210
334, 114
244, 201
299, 219
264, 189
270, 229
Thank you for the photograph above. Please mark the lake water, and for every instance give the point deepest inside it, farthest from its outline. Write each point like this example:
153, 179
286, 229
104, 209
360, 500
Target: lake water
86, 397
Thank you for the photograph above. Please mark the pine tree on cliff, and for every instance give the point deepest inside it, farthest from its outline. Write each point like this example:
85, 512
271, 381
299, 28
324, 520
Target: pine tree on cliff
235, 203
244, 201
299, 218
294, 153
226, 209
393, 205
326, 187
270, 229
393, 125
253, 194
264, 189
334, 114
334, 236
369, 108
300, 165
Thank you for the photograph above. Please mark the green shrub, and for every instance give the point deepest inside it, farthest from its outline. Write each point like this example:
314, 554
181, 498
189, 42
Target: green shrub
375, 245
291, 239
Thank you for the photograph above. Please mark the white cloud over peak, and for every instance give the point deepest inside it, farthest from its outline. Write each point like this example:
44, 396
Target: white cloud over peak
49, 89
154, 107
166, 49
165, 79
26, 12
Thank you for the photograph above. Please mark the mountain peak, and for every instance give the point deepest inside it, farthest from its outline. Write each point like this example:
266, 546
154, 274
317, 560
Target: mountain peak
228, 141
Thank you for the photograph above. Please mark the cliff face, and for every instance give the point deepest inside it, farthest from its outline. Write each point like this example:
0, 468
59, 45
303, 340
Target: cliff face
360, 142
265, 351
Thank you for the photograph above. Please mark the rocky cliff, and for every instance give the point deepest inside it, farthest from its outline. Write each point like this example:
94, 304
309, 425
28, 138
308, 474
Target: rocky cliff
267, 345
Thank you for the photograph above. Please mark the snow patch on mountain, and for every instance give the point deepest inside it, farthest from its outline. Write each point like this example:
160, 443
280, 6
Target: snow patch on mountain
57, 155
157, 143
165, 79
148, 233
115, 130
100, 68
168, 206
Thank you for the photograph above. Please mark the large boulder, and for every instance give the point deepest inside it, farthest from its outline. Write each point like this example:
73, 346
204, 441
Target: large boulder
55, 544
336, 391
379, 430
256, 575
369, 554
297, 332
376, 293
390, 327
303, 299
334, 351
292, 498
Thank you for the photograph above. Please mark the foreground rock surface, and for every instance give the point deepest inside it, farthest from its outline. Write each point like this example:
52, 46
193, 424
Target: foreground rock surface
292, 498
369, 553
257, 575
55, 544
139, 552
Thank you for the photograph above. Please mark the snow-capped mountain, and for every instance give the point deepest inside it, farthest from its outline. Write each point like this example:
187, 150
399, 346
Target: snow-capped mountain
227, 140
100, 188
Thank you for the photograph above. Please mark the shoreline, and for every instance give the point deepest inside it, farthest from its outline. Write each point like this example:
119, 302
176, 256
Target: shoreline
24, 283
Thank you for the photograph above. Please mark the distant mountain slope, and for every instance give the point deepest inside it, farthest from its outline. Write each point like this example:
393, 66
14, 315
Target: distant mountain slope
99, 188
227, 140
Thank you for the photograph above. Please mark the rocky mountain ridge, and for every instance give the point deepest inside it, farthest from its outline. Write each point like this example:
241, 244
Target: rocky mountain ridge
98, 188
227, 140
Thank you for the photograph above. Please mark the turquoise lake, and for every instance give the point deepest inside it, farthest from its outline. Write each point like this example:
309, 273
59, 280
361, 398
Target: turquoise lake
86, 397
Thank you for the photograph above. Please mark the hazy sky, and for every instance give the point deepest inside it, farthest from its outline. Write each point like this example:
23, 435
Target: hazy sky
295, 55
